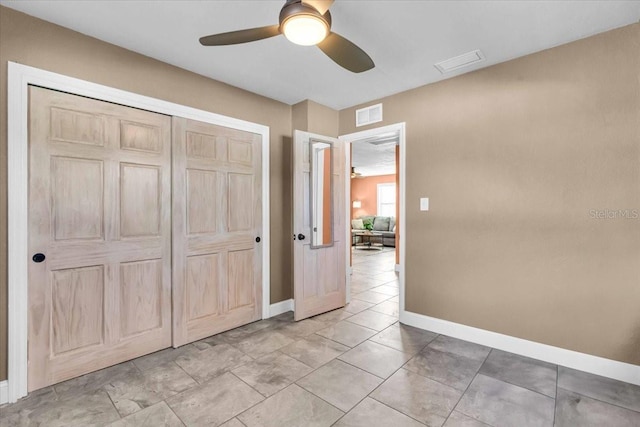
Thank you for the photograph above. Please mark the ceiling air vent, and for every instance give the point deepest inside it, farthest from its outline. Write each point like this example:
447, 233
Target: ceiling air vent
464, 60
368, 115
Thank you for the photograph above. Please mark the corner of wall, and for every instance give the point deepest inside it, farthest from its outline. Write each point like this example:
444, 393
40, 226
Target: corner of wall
309, 116
300, 116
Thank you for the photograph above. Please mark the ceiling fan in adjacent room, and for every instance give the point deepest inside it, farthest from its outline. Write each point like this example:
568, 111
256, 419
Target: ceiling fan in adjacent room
355, 174
307, 23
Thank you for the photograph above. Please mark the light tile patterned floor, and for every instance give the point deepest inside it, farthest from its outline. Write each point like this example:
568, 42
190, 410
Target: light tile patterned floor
355, 366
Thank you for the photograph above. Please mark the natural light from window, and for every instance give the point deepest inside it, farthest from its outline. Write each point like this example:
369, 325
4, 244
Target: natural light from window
387, 199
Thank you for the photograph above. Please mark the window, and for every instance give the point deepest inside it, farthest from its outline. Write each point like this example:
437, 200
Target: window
387, 199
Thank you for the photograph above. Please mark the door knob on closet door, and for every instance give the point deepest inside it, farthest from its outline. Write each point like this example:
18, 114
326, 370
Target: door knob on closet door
301, 236
38, 257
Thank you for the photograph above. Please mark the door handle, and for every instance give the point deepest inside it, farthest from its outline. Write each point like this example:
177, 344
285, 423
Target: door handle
38, 258
258, 239
301, 236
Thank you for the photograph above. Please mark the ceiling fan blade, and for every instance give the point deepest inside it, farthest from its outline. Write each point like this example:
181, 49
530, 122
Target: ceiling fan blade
240, 36
346, 54
320, 5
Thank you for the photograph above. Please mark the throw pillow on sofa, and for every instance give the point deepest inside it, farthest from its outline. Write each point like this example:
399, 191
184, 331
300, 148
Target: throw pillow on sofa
357, 224
368, 217
381, 223
392, 223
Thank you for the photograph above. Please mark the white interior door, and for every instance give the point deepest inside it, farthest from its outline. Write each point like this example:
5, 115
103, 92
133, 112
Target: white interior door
99, 234
319, 272
217, 225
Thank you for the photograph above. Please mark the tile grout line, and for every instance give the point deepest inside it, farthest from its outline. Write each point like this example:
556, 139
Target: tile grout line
516, 385
176, 415
336, 358
438, 381
288, 385
373, 330
362, 369
328, 403
187, 374
252, 388
555, 400
113, 404
396, 371
322, 336
376, 331
394, 409
282, 354
174, 412
401, 367
467, 389
388, 346
328, 339
599, 400
236, 415
431, 379
485, 374
229, 371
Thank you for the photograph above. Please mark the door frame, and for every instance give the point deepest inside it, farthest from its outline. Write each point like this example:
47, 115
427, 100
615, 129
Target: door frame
354, 138
19, 78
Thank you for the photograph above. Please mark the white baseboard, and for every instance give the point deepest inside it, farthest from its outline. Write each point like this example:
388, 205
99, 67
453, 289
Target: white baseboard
281, 307
4, 392
572, 359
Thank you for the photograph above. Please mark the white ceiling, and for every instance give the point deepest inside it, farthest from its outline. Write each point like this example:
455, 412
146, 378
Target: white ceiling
373, 160
404, 38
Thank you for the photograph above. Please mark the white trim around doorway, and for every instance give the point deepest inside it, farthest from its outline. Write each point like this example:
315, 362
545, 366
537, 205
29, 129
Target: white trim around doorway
355, 137
19, 78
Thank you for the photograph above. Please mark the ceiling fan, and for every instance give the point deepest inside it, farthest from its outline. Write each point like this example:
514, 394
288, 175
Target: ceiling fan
307, 23
355, 174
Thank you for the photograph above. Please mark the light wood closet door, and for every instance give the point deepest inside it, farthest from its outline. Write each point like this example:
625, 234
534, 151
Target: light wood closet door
99, 210
217, 216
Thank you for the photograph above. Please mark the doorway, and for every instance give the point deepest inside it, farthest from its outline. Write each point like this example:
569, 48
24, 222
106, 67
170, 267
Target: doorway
375, 210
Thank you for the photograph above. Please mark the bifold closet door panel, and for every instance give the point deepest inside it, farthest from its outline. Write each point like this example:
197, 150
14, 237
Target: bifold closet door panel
217, 218
99, 213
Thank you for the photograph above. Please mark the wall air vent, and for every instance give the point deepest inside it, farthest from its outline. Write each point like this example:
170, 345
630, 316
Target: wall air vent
461, 61
368, 115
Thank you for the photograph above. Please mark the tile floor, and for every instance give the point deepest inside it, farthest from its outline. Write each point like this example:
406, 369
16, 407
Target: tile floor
355, 366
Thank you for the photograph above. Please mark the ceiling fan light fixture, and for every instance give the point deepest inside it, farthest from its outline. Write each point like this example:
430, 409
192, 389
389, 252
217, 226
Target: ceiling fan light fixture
307, 23
305, 30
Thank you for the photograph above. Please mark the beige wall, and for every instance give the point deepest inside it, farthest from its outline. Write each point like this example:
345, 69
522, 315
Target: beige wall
33, 42
312, 117
513, 158
300, 116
